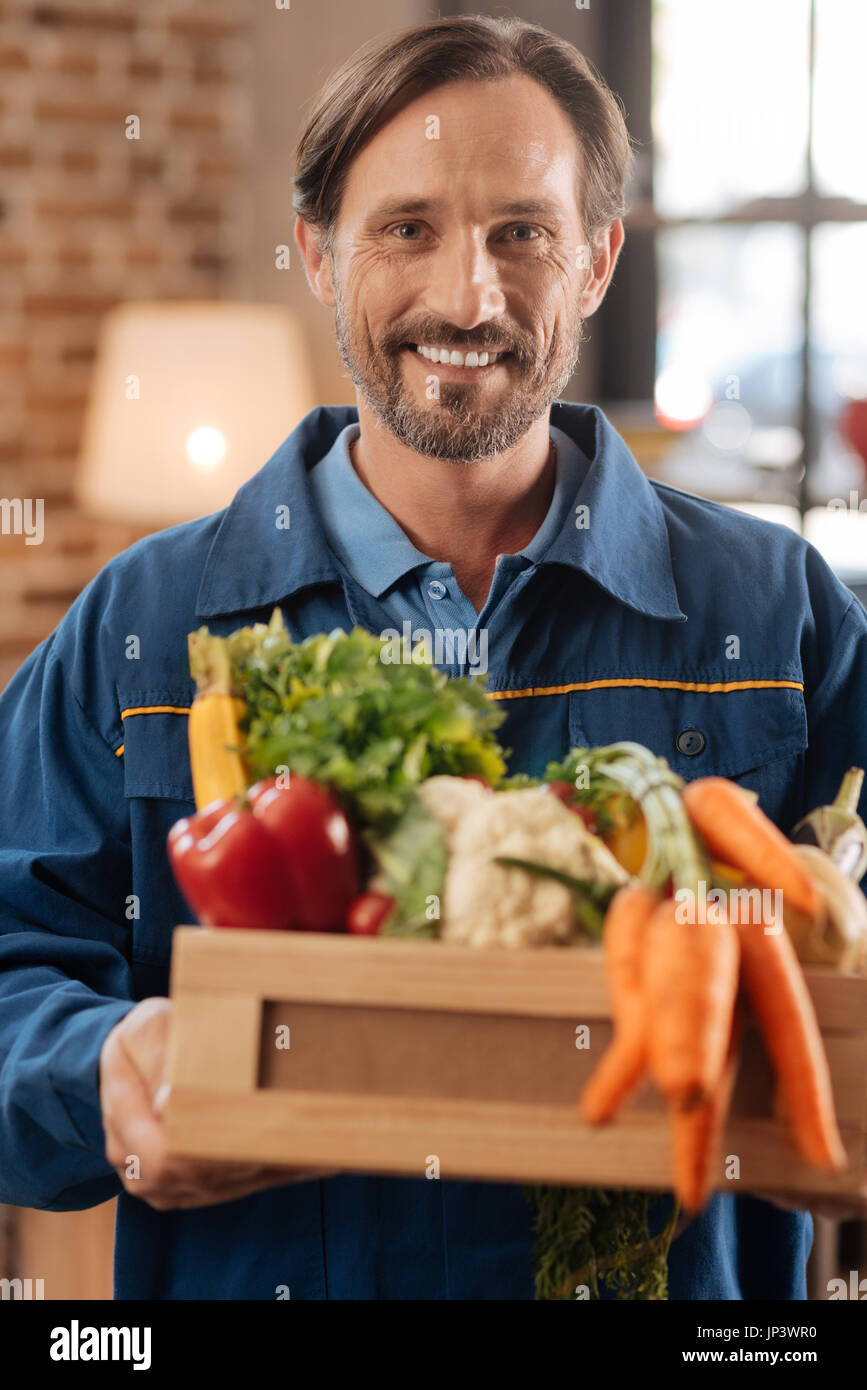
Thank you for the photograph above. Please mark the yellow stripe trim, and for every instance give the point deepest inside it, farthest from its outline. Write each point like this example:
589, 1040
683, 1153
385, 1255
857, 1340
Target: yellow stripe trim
715, 688
155, 709
150, 709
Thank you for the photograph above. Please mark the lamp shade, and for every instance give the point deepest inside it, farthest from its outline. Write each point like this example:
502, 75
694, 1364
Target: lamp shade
188, 400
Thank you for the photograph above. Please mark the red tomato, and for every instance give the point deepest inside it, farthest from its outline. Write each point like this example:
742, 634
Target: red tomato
367, 913
318, 845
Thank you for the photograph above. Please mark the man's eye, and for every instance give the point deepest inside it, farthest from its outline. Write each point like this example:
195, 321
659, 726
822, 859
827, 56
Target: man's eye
523, 227
412, 227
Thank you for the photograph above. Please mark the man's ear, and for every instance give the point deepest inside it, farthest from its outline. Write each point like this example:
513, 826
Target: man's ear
603, 258
316, 264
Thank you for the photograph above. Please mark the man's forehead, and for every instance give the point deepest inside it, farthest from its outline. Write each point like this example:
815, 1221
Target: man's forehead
514, 118
509, 129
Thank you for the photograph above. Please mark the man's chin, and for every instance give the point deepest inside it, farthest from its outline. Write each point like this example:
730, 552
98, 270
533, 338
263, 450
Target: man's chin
458, 440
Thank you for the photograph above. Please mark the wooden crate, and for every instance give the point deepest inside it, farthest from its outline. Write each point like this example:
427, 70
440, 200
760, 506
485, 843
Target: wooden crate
403, 1052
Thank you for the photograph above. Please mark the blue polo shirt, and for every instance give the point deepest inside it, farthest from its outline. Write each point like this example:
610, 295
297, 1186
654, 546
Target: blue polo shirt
664, 613
409, 585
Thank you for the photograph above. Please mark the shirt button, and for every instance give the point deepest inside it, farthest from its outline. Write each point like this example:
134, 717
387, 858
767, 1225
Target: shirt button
691, 742
436, 589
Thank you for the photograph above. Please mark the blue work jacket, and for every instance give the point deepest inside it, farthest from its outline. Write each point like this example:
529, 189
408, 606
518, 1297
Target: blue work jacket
658, 615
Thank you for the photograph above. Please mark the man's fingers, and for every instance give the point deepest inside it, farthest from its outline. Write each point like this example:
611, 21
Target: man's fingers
133, 1092
132, 1131
161, 1098
836, 1208
786, 1200
229, 1191
146, 1048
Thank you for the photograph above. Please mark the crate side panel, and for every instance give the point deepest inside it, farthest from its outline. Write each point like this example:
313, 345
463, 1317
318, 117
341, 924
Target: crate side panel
340, 969
485, 1140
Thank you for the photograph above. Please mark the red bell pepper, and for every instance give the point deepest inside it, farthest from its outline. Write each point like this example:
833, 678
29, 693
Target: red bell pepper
319, 848
230, 869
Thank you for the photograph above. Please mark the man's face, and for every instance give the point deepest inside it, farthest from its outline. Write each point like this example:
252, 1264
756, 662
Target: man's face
469, 242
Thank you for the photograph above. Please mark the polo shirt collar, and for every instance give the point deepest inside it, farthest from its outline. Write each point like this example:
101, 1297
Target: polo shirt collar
363, 534
256, 559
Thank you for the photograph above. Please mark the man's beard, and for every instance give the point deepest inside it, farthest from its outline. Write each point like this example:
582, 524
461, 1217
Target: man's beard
454, 427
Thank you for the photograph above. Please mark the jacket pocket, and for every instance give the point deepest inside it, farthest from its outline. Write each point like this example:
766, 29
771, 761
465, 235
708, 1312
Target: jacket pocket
158, 785
156, 756
755, 734
699, 733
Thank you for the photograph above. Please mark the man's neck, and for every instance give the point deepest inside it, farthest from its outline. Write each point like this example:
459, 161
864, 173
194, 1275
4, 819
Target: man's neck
462, 514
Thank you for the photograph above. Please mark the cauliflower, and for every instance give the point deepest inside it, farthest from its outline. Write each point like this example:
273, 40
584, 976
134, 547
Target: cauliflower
488, 904
449, 799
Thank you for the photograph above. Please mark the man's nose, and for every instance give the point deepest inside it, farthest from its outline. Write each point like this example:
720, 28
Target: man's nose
464, 283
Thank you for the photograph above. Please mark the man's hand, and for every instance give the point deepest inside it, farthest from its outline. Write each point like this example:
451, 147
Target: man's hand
836, 1208
133, 1090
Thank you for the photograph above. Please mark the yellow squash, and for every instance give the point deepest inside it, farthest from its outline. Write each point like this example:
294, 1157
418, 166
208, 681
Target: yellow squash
215, 738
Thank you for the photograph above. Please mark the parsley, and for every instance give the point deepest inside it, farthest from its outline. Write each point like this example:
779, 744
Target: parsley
330, 708
593, 1239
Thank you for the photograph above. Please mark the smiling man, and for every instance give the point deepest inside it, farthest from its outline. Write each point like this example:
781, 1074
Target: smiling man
459, 192
461, 269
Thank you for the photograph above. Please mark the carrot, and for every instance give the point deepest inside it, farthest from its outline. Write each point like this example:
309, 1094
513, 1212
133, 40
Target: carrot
778, 992
625, 1061
736, 830
696, 1133
691, 984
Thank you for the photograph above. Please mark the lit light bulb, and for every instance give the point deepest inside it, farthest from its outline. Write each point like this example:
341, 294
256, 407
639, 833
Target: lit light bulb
206, 447
682, 398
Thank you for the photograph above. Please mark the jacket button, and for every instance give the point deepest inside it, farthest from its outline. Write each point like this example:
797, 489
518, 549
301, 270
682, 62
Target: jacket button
691, 742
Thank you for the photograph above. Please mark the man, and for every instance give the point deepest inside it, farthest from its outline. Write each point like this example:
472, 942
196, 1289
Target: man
459, 192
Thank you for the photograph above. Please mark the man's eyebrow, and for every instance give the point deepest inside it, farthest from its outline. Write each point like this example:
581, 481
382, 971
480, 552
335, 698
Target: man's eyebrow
416, 207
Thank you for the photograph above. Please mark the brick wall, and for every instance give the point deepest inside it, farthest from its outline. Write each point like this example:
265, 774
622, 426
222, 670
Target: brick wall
89, 217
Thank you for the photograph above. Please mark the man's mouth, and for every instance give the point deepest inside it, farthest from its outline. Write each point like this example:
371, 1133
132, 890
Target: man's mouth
471, 359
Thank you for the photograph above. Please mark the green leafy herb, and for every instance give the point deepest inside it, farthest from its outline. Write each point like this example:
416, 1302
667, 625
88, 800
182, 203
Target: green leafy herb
593, 1239
412, 856
332, 709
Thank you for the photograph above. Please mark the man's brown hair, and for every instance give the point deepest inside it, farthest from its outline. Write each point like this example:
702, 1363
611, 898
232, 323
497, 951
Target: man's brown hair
385, 75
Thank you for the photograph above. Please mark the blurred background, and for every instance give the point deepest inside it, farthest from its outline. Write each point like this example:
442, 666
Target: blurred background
158, 339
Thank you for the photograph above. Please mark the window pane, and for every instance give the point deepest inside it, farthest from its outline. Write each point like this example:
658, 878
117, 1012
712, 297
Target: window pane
838, 351
728, 357
840, 99
730, 102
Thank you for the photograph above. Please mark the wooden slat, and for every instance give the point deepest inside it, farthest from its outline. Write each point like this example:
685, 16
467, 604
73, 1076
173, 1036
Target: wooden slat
215, 1042
319, 968
497, 1141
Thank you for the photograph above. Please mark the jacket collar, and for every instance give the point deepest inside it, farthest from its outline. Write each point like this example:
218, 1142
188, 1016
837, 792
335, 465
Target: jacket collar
257, 560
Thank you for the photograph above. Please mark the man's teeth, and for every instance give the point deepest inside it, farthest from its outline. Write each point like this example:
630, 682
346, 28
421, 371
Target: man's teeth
459, 359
